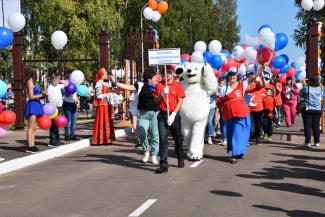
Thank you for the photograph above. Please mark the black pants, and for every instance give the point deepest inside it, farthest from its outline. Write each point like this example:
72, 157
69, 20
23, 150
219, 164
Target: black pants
54, 130
257, 117
268, 125
311, 119
163, 137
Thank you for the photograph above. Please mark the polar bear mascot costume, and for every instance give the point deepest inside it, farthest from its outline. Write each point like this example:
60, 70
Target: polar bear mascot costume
199, 83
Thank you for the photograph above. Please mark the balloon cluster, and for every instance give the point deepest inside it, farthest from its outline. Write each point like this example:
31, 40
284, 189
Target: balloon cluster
246, 58
150, 13
7, 117
16, 22
312, 4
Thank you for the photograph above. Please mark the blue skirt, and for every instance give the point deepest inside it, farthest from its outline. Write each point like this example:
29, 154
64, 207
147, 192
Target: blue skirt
33, 107
238, 130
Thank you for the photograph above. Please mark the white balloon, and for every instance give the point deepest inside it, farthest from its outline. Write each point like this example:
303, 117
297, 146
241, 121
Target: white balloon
267, 37
250, 54
318, 4
242, 69
147, 13
215, 47
307, 4
77, 77
223, 57
299, 85
302, 76
238, 52
59, 39
200, 46
155, 16
197, 57
16, 21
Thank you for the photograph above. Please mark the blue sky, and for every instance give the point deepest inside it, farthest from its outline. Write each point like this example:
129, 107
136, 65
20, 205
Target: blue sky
279, 14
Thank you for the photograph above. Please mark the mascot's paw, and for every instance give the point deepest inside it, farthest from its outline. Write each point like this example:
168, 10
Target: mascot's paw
195, 158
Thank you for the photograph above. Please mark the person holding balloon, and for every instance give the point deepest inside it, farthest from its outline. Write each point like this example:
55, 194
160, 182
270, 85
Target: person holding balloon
103, 132
33, 107
70, 102
54, 95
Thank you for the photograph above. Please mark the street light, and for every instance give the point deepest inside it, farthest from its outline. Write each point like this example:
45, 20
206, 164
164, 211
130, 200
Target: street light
142, 49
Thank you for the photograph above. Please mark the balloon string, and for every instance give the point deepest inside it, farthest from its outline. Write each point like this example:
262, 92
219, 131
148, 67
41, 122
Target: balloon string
3, 14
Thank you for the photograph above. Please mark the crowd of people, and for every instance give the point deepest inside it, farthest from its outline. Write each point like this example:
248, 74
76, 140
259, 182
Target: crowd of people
244, 108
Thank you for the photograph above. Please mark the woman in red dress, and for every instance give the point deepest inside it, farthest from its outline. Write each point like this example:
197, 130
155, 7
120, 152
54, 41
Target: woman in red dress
103, 127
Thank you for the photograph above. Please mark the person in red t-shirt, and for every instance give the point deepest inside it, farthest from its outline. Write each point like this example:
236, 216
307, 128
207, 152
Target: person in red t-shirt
175, 92
278, 101
269, 106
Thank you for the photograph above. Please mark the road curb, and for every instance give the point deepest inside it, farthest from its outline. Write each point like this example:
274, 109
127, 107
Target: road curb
19, 163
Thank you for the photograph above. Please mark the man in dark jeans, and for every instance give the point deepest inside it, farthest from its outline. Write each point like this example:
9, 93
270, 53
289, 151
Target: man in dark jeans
175, 93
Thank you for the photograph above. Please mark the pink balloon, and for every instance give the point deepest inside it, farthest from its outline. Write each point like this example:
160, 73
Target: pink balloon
3, 130
60, 121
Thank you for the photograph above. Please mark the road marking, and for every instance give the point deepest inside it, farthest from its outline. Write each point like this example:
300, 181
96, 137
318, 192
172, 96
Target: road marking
143, 208
197, 163
6, 187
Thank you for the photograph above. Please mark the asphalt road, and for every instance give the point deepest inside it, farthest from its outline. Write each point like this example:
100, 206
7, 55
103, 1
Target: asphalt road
276, 179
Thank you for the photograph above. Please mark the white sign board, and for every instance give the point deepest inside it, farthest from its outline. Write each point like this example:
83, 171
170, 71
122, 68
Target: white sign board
9, 7
164, 56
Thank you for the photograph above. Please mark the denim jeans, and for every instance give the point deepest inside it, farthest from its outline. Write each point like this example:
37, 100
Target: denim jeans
70, 112
311, 119
148, 121
223, 128
211, 124
163, 137
54, 130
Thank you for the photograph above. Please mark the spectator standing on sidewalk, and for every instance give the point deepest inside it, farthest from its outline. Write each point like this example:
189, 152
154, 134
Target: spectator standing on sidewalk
33, 107
176, 93
311, 112
70, 103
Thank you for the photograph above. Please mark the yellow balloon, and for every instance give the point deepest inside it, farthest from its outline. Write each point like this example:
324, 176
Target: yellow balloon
55, 114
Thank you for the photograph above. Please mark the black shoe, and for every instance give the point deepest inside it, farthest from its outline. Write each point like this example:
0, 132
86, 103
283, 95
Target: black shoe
181, 164
59, 142
233, 160
32, 149
53, 144
67, 138
74, 138
162, 170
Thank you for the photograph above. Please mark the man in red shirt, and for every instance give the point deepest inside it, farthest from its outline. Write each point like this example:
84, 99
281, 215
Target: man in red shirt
175, 92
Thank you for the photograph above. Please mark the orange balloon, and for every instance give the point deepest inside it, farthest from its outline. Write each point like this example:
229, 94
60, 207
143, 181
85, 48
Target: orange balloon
153, 4
8, 117
162, 7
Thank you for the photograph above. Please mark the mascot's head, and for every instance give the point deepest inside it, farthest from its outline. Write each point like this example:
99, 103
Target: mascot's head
190, 72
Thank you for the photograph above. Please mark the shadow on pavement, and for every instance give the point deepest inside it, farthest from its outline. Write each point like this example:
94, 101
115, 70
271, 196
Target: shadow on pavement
292, 213
14, 148
224, 159
226, 193
293, 188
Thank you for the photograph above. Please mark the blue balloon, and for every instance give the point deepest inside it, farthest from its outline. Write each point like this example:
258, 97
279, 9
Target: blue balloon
3, 88
82, 90
279, 62
261, 46
226, 53
264, 26
285, 56
284, 69
183, 60
297, 74
216, 61
207, 55
6, 37
281, 40
294, 65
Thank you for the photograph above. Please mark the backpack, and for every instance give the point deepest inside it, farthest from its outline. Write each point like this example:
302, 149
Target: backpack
133, 107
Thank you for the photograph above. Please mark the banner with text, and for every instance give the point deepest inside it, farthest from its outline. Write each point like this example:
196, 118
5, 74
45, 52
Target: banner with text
164, 56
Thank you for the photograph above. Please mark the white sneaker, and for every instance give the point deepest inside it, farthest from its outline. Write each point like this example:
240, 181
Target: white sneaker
146, 157
154, 160
265, 137
2, 159
307, 145
210, 140
269, 139
317, 144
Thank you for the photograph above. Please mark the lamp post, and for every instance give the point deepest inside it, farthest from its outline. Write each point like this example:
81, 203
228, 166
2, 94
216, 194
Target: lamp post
142, 49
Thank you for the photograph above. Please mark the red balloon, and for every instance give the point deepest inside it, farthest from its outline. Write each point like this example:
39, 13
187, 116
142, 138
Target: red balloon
217, 73
242, 60
44, 122
275, 71
60, 121
282, 79
230, 63
265, 55
7, 117
186, 56
291, 72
